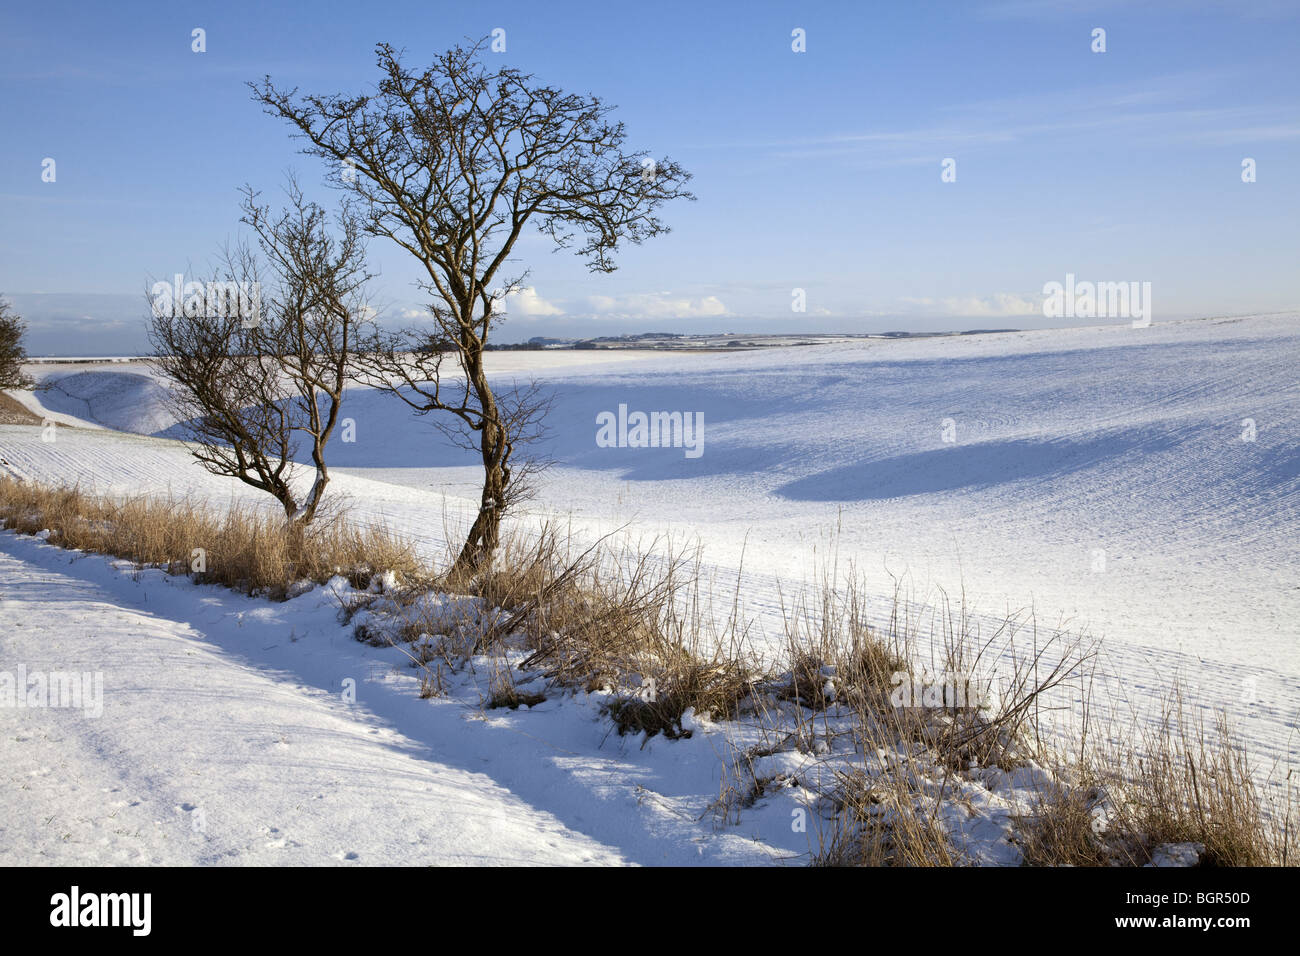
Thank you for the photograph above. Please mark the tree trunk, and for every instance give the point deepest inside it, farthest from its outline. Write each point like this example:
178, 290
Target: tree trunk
485, 533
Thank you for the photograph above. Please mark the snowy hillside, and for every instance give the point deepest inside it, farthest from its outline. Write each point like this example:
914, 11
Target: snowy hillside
1140, 486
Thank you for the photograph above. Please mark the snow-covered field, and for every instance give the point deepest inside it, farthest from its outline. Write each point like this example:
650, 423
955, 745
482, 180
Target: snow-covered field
1139, 486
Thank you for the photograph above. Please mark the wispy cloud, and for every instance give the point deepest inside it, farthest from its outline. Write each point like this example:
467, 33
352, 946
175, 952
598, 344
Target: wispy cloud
1228, 125
1164, 109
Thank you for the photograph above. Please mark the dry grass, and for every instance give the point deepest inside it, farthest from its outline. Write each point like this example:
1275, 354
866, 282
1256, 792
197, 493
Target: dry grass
1179, 782
244, 549
828, 639
1189, 783
1064, 830
882, 820
629, 620
13, 412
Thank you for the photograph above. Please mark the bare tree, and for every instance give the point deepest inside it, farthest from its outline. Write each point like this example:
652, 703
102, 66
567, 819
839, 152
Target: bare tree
452, 163
409, 364
12, 353
249, 388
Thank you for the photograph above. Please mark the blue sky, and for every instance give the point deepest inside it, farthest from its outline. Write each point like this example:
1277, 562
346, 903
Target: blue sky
817, 170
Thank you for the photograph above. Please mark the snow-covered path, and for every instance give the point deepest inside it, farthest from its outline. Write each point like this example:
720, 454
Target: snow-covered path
237, 731
206, 753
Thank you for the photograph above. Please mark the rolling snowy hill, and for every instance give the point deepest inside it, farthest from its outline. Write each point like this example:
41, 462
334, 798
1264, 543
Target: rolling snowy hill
1141, 486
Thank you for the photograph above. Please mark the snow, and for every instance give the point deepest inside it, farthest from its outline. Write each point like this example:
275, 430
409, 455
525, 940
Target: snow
225, 738
1177, 854
1138, 486
235, 731
126, 399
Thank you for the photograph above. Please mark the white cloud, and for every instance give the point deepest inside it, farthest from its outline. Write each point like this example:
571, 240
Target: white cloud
526, 301
655, 305
997, 304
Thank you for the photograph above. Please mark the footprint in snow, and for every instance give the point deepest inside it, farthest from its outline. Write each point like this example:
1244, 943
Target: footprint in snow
284, 843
